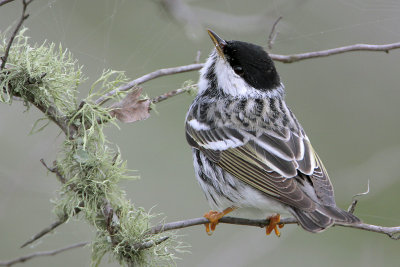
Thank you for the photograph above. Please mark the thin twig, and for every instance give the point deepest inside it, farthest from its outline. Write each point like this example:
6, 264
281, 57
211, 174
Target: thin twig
54, 170
24, 16
172, 93
339, 50
392, 232
52, 226
57, 223
41, 253
354, 201
45, 231
3, 2
272, 35
148, 77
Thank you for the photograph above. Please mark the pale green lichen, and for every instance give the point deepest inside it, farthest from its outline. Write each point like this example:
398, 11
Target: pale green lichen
48, 72
91, 166
191, 87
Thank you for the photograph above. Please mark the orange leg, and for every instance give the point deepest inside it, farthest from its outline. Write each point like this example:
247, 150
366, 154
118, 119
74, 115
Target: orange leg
213, 217
273, 225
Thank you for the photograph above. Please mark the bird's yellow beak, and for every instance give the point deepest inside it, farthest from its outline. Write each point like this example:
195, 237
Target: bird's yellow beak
218, 42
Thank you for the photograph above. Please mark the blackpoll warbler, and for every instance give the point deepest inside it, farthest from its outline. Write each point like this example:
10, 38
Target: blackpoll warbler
249, 150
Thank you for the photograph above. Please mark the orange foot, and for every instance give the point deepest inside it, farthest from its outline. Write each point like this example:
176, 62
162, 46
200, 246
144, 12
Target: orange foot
273, 225
213, 217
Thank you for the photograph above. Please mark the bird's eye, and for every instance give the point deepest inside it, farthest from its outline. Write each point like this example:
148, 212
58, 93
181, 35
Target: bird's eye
238, 70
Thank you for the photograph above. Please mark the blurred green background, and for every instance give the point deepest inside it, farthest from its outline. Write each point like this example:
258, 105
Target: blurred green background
348, 104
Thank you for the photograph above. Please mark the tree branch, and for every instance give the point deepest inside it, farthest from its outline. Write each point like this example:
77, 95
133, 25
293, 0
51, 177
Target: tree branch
392, 232
41, 253
58, 118
54, 170
60, 221
280, 58
229, 220
148, 77
170, 94
339, 50
272, 35
3, 2
24, 16
45, 231
354, 201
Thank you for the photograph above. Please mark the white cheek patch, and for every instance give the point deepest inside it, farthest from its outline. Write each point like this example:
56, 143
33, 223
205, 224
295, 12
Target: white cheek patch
228, 81
234, 85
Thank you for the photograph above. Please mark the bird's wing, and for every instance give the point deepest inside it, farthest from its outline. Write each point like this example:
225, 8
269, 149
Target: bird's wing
278, 162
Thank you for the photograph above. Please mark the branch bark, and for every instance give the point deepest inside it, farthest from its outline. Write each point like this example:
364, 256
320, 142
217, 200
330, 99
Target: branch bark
170, 94
392, 232
41, 253
3, 2
45, 231
148, 77
24, 16
272, 35
339, 50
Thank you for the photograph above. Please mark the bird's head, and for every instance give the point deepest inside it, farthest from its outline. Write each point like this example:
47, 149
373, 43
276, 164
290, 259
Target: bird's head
239, 69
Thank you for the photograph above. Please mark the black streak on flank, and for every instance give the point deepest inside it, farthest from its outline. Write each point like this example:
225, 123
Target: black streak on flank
212, 89
285, 119
242, 105
274, 111
259, 105
203, 111
273, 108
202, 174
194, 110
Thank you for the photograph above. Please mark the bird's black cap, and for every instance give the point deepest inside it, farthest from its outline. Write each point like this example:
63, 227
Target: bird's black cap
250, 61
253, 63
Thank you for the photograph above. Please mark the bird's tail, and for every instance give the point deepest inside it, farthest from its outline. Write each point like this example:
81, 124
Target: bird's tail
323, 217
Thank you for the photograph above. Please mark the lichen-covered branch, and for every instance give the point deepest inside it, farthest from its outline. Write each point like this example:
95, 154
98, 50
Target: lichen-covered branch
88, 166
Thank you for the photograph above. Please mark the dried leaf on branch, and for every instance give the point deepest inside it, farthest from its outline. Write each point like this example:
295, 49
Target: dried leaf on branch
131, 108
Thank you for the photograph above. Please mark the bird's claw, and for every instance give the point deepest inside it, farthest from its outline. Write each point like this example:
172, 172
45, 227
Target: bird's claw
214, 216
273, 225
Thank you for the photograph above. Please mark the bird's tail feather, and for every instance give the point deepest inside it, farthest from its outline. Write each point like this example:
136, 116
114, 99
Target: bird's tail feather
323, 217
